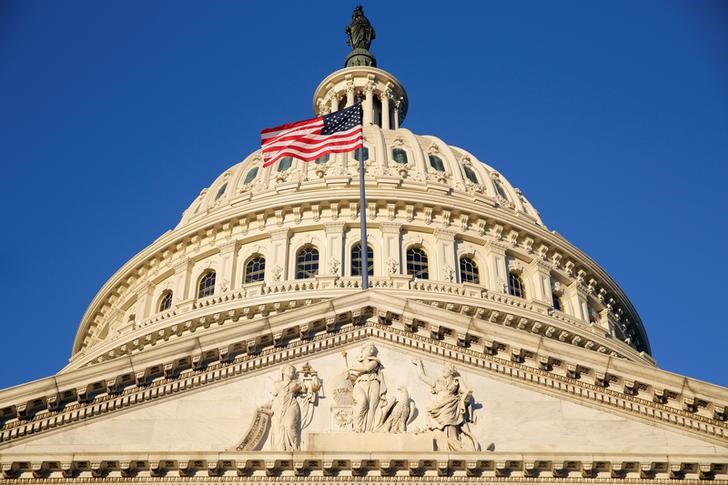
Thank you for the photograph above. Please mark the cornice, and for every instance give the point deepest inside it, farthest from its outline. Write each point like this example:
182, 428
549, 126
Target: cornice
371, 468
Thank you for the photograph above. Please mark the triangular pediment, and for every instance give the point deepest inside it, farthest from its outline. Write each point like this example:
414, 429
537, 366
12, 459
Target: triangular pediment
530, 395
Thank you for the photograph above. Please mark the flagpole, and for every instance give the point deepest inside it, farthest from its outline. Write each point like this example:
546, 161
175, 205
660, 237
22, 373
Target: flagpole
363, 216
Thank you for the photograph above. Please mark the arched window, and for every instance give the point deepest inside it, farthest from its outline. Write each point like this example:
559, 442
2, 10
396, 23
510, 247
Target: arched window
557, 302
469, 270
499, 188
515, 286
221, 191
417, 263
255, 269
470, 174
207, 285
165, 301
436, 163
250, 176
307, 262
364, 154
356, 263
399, 156
322, 159
285, 164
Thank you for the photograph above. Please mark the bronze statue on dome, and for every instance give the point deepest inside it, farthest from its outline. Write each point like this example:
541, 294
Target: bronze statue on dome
360, 32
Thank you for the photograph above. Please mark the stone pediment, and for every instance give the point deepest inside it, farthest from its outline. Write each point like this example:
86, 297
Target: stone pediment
529, 395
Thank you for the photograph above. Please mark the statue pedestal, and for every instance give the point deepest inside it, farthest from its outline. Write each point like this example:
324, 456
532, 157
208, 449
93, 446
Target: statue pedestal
369, 442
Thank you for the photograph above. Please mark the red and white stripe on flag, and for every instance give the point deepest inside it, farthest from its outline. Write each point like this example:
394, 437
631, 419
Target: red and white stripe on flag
305, 140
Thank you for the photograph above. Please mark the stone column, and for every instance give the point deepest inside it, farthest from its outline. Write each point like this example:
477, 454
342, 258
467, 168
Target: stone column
576, 295
278, 256
182, 277
369, 103
227, 258
391, 253
396, 115
445, 247
144, 302
495, 257
334, 248
385, 108
349, 92
539, 274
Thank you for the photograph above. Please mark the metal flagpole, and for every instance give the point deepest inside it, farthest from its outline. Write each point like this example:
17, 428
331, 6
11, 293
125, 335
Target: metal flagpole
363, 216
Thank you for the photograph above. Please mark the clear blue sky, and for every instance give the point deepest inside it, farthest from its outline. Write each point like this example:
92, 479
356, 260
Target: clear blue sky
611, 116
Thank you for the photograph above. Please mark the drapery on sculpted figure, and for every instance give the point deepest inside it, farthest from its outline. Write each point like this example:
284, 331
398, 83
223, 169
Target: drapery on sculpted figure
369, 389
451, 411
292, 407
360, 32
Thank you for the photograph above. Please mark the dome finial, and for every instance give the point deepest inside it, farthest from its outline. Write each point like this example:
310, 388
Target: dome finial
360, 35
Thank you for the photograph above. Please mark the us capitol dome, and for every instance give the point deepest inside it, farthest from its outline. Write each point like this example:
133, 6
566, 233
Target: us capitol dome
257, 292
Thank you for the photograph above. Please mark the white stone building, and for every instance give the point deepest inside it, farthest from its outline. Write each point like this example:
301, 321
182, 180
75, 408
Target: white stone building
239, 347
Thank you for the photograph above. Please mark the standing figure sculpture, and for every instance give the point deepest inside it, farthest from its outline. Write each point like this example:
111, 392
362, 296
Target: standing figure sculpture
451, 411
360, 33
292, 407
369, 389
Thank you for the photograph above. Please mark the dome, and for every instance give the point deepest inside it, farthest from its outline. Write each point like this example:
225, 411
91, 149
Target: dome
445, 229
397, 159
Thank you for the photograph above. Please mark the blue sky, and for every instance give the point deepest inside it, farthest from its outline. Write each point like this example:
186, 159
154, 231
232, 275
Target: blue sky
612, 117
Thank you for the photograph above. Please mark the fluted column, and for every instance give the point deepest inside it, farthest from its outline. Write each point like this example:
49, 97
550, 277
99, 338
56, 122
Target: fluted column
369, 103
349, 93
385, 108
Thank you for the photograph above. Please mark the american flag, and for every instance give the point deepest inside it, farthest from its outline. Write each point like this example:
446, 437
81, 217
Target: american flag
308, 140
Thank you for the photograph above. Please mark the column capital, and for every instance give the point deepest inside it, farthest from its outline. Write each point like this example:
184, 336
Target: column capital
495, 248
228, 246
183, 266
280, 234
334, 227
390, 227
446, 235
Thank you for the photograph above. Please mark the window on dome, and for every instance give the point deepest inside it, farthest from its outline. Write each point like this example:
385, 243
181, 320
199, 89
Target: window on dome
469, 270
221, 191
399, 156
417, 264
307, 262
207, 285
356, 262
557, 302
250, 176
364, 153
322, 159
499, 188
515, 286
165, 301
285, 164
255, 269
436, 163
470, 174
